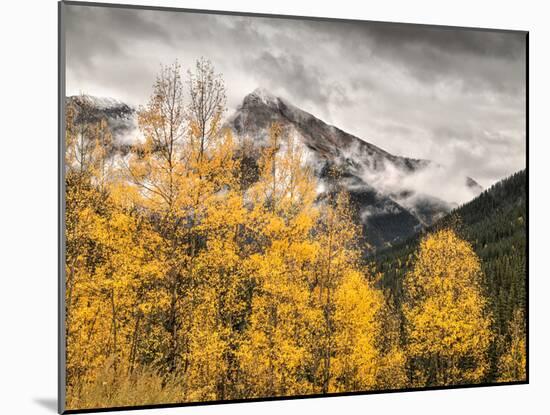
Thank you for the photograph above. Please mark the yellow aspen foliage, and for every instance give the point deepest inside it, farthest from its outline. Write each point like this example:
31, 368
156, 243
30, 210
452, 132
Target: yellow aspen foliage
86, 201
166, 188
512, 365
345, 353
274, 353
391, 373
199, 270
110, 258
221, 302
448, 325
357, 328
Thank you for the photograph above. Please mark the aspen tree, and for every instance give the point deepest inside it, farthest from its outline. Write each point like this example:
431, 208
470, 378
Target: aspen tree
347, 327
206, 105
274, 352
159, 171
512, 364
87, 146
448, 325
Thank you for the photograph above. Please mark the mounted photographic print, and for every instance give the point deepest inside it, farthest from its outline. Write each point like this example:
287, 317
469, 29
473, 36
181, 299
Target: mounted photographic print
259, 207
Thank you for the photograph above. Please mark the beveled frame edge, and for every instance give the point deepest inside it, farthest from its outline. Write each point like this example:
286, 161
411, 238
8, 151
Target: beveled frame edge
279, 16
61, 283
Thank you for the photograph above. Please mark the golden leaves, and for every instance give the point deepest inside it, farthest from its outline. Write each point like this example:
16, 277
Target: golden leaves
513, 362
447, 320
184, 281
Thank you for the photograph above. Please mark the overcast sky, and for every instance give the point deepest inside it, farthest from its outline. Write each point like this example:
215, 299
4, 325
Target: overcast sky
453, 96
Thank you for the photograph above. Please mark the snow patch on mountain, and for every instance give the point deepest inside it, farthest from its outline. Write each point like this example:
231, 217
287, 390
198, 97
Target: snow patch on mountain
101, 103
121, 117
265, 96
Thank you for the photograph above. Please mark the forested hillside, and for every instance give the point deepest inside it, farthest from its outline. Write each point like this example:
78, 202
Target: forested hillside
495, 225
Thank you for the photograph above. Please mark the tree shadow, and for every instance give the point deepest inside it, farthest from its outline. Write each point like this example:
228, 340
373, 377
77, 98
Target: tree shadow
48, 403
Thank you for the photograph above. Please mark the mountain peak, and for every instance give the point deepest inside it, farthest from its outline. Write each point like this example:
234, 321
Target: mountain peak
264, 96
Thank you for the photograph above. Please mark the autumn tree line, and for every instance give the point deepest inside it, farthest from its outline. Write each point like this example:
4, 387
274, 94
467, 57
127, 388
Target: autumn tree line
495, 225
186, 280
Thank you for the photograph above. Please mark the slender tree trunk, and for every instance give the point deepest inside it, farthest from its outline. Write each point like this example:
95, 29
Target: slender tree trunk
114, 323
173, 329
133, 350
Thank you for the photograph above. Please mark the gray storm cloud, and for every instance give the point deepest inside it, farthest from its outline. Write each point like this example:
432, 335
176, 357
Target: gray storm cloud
453, 96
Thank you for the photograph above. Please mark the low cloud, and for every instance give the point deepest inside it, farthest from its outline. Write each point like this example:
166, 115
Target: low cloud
290, 75
453, 96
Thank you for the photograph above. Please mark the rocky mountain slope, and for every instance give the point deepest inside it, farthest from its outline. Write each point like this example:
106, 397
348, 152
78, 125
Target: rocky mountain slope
392, 194
387, 190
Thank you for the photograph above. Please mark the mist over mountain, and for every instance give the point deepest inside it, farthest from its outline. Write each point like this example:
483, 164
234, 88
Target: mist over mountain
394, 196
495, 224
